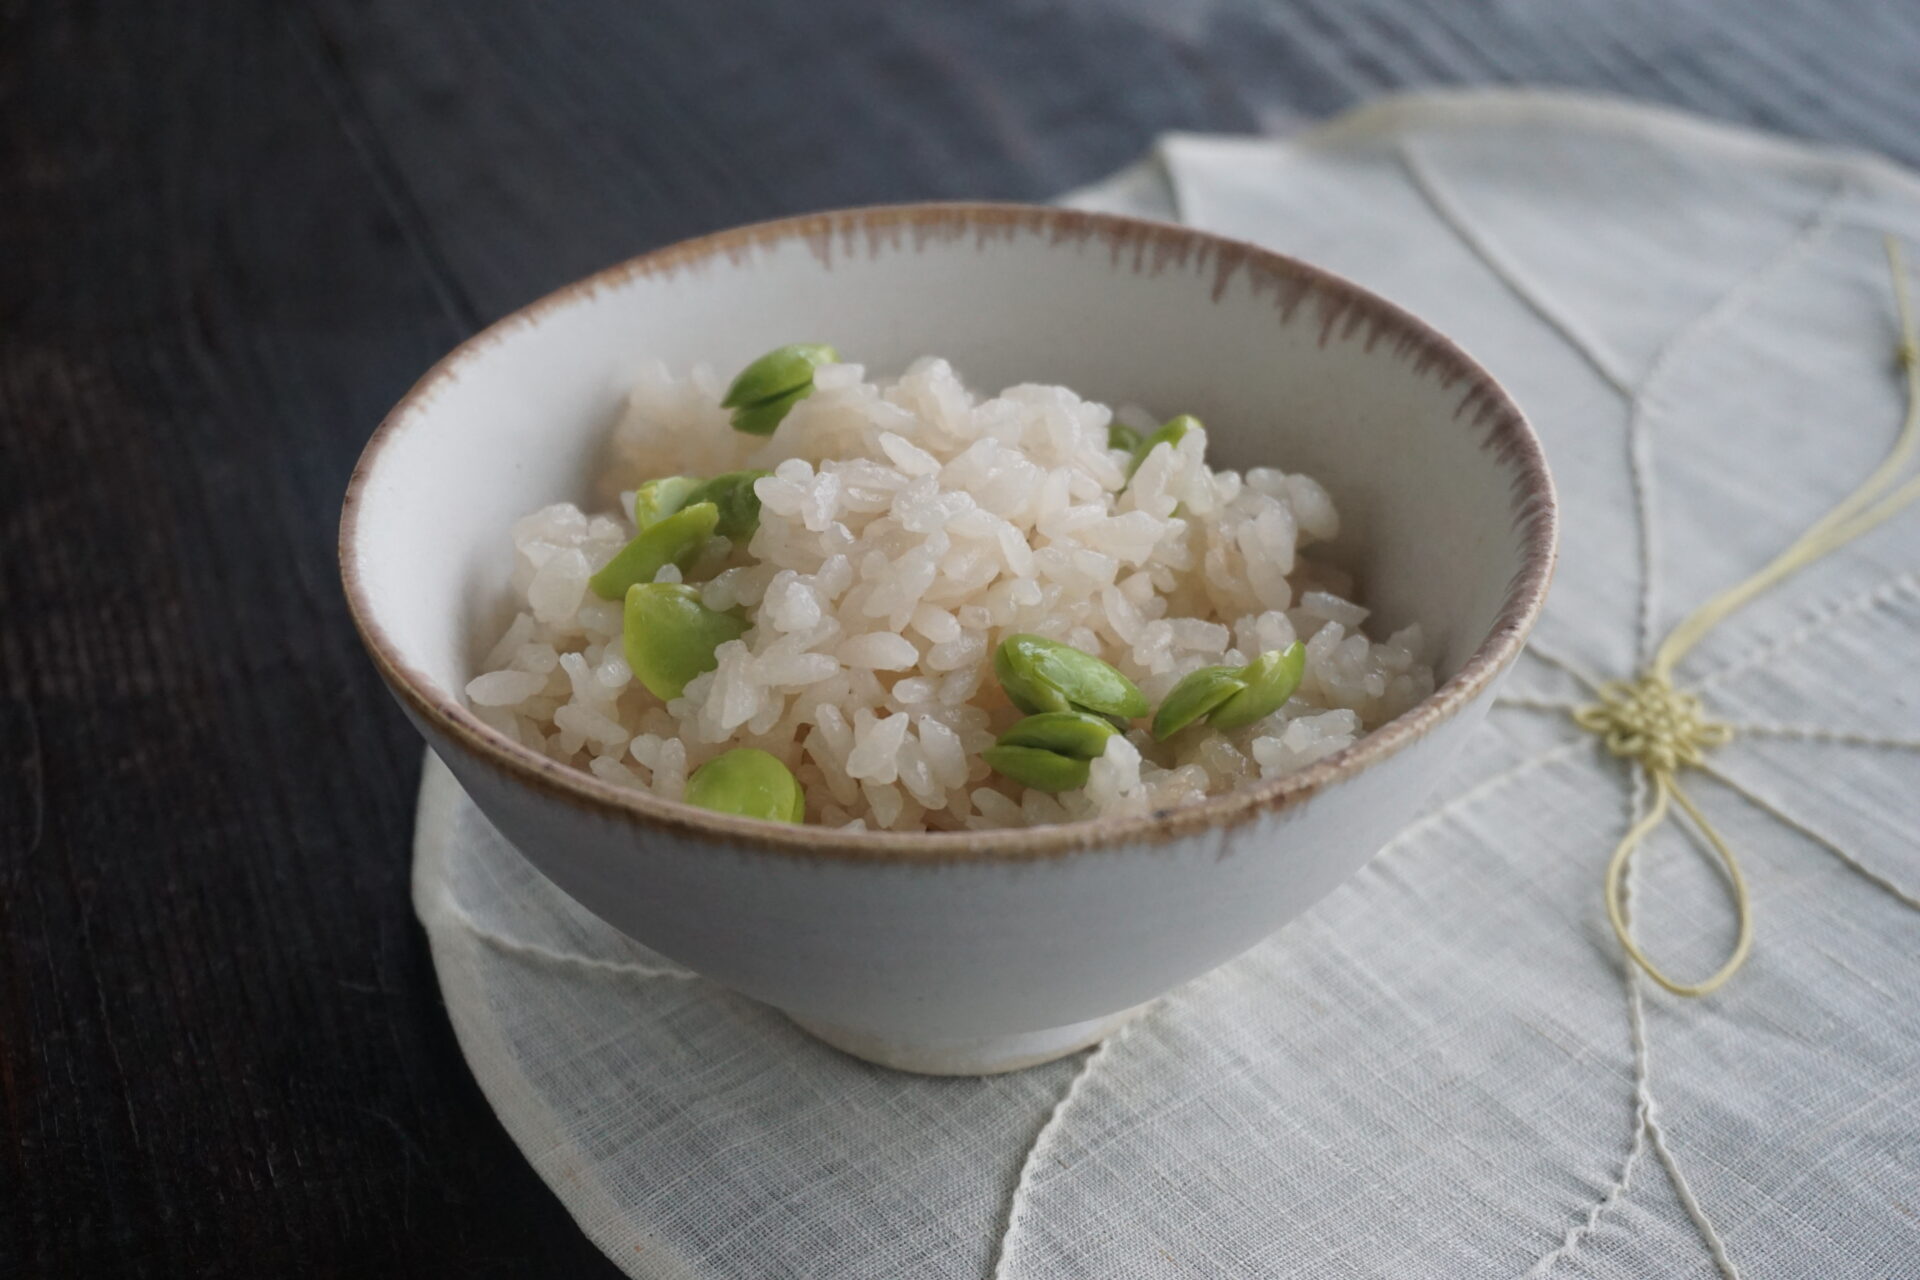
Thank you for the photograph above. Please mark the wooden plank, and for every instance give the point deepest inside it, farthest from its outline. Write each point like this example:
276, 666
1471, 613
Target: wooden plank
223, 1051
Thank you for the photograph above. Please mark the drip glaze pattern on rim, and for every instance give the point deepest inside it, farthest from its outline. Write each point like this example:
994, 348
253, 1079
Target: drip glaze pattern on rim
1342, 312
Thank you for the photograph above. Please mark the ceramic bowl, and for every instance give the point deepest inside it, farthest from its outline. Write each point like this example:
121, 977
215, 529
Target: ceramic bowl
966, 953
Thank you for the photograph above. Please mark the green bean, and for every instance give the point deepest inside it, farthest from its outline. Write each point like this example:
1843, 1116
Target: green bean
749, 782
1232, 697
657, 499
674, 539
1068, 733
733, 494
777, 372
768, 388
669, 637
1171, 434
1197, 695
761, 419
1051, 751
1122, 436
1271, 679
1038, 768
1044, 675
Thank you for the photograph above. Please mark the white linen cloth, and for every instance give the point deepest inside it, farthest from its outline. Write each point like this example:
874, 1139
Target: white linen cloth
1445, 1069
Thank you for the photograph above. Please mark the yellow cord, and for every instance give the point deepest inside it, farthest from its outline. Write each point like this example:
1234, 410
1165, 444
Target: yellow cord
1665, 786
1665, 730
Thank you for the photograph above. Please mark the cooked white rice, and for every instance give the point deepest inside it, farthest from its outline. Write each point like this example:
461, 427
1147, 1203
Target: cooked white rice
908, 527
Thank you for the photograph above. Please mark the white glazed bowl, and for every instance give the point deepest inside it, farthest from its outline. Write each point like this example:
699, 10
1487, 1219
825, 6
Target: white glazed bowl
966, 953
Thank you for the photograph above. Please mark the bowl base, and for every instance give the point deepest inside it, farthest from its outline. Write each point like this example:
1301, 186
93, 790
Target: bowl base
973, 1056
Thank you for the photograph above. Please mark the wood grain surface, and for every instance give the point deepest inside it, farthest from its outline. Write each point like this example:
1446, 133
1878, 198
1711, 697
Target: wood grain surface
230, 236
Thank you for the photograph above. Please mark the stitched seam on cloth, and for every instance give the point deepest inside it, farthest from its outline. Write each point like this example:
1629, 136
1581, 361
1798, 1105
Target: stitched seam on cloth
1589, 348
1605, 115
449, 910
1812, 233
1526, 703
1892, 887
1820, 733
1715, 1245
1566, 664
1643, 1065
1491, 782
1642, 1087
1646, 1110
1449, 211
1022, 1197
1874, 597
1578, 1233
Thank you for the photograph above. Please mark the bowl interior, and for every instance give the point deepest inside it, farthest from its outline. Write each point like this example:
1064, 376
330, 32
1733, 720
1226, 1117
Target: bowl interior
1445, 505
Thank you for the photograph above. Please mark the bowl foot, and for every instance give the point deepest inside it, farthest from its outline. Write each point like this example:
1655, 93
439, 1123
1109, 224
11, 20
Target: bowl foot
973, 1056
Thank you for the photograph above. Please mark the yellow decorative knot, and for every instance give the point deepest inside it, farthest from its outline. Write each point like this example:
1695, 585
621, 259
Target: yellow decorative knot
1650, 721
1664, 730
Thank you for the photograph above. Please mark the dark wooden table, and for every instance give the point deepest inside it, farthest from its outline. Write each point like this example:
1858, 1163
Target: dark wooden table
230, 236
